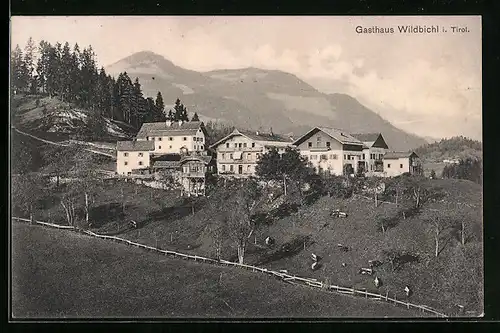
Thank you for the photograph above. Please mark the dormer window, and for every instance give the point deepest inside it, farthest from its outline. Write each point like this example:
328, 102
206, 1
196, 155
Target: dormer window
309, 144
328, 144
227, 145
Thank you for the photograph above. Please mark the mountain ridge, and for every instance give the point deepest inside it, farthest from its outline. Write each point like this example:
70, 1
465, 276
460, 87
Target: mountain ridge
258, 98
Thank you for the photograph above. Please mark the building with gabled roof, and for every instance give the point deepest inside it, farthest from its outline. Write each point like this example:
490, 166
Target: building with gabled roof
172, 137
398, 163
131, 155
238, 152
331, 150
373, 152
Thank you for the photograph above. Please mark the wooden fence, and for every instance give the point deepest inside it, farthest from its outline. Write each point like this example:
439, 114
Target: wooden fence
292, 279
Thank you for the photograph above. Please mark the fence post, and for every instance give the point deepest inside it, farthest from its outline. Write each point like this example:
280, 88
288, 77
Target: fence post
366, 293
386, 295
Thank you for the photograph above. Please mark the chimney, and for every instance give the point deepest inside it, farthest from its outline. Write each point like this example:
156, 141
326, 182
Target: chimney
168, 122
180, 123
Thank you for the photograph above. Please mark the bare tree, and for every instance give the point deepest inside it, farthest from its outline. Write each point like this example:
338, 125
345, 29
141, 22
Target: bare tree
244, 199
26, 189
439, 224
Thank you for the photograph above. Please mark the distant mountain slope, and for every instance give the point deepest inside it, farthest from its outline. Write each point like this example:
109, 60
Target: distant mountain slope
255, 98
453, 148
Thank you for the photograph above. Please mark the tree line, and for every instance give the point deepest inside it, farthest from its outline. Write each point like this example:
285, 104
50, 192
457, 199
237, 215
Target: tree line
73, 76
469, 169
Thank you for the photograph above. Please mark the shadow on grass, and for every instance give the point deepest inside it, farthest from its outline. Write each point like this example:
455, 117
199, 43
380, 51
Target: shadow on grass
103, 214
184, 208
289, 249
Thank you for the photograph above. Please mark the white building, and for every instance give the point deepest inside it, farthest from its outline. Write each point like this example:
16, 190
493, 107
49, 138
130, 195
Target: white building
238, 153
133, 155
331, 150
174, 137
374, 150
397, 163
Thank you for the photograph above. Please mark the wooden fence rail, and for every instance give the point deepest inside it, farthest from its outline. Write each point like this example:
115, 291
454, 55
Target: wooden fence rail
296, 280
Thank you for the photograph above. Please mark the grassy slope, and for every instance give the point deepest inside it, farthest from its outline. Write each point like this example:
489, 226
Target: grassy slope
430, 278
61, 274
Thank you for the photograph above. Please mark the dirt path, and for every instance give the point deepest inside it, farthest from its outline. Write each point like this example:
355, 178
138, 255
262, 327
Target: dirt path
61, 144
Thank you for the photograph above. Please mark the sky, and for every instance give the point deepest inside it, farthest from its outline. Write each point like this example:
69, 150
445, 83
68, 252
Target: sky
428, 84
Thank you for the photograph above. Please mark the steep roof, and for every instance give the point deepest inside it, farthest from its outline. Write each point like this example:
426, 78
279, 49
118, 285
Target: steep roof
366, 137
392, 155
371, 140
263, 138
135, 146
174, 129
335, 133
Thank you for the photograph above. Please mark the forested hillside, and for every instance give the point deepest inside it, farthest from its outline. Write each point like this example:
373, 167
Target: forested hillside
458, 147
72, 75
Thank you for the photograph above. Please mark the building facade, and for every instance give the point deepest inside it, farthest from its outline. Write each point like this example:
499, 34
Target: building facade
174, 137
331, 151
133, 155
397, 163
374, 150
238, 153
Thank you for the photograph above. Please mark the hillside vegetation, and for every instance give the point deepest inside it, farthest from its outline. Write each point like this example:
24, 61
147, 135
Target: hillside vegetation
453, 148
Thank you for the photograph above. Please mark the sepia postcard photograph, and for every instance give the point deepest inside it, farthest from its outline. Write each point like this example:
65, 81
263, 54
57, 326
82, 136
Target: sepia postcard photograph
245, 167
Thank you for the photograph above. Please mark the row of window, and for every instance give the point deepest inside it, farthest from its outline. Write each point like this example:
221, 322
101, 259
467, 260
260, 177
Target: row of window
184, 138
126, 163
375, 156
247, 155
330, 156
138, 154
231, 168
239, 145
310, 144
400, 166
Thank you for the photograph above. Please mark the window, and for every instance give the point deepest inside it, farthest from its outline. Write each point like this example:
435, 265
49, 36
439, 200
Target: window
333, 156
227, 145
201, 147
363, 156
323, 157
401, 166
231, 167
126, 163
147, 138
170, 147
235, 145
184, 139
309, 144
201, 139
245, 145
257, 155
314, 157
249, 156
328, 144
159, 147
125, 154
140, 162
231, 156
195, 147
140, 154
249, 167
159, 139
223, 156
388, 165
253, 144
318, 139
239, 145
170, 139
223, 167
